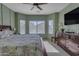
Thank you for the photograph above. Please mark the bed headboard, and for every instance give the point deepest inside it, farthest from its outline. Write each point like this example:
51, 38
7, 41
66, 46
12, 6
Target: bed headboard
4, 27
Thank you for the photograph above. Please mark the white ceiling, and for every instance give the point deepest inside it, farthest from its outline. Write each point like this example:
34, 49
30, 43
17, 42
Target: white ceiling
47, 8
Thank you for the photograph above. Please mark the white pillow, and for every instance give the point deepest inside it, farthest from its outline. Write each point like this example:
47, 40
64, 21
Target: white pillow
6, 33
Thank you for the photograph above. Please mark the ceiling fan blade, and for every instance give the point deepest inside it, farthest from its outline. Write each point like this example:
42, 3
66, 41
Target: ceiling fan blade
41, 3
28, 3
39, 7
32, 8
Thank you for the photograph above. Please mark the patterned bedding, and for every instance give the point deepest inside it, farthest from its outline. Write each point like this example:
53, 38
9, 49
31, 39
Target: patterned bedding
21, 45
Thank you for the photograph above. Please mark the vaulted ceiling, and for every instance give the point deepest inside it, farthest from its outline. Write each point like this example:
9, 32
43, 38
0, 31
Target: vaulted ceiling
48, 8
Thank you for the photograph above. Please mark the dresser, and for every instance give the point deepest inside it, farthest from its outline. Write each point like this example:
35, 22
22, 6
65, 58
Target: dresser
69, 42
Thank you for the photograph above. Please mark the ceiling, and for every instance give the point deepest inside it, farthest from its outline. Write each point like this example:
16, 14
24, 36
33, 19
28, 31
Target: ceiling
47, 8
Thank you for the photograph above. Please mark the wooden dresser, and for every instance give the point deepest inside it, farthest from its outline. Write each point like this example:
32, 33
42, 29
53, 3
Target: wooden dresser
69, 42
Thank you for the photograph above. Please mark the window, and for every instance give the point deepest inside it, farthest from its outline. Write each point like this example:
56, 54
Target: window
32, 27
41, 27
22, 26
37, 27
50, 26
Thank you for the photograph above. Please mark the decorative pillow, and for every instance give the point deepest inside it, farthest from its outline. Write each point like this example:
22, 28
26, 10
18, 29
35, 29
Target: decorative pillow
1, 34
9, 32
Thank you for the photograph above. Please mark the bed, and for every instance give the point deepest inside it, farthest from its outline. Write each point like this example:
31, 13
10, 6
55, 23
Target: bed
20, 45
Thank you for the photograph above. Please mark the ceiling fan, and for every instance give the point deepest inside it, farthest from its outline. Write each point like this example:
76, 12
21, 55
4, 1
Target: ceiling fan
36, 5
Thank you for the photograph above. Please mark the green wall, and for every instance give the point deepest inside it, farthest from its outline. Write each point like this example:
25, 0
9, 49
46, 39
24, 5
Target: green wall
16, 23
0, 14
69, 8
7, 16
12, 19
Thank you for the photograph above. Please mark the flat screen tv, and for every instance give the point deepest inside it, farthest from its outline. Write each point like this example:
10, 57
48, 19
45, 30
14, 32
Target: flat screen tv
72, 17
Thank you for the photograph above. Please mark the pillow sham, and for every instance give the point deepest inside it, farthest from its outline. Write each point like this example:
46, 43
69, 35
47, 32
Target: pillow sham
6, 33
